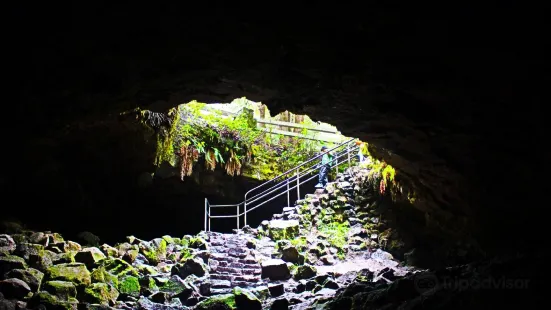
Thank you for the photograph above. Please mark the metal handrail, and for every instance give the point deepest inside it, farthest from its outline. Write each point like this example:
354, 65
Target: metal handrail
295, 178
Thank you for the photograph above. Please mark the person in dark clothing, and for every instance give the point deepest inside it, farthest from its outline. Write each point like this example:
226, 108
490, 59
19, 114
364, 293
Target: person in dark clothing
325, 165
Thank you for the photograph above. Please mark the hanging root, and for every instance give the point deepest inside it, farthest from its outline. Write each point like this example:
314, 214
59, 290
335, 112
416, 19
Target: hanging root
188, 156
155, 120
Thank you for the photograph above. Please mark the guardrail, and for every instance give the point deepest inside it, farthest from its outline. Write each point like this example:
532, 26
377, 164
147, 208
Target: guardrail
281, 185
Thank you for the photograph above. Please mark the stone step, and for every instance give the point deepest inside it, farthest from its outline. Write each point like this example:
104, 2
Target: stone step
228, 270
220, 284
220, 291
216, 276
222, 257
250, 271
253, 279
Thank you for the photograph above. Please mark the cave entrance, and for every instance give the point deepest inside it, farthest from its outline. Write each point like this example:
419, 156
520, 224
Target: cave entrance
220, 145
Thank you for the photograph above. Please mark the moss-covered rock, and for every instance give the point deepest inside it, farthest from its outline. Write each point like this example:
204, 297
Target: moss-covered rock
129, 285
26, 249
64, 258
118, 267
168, 239
52, 302
63, 290
42, 261
7, 244
100, 275
281, 229
190, 267
31, 276
305, 272
198, 243
74, 272
154, 251
11, 262
89, 256
100, 293
109, 250
246, 300
72, 246
226, 301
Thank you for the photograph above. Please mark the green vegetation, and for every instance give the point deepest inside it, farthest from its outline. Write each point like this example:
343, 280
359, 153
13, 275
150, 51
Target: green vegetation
190, 134
337, 234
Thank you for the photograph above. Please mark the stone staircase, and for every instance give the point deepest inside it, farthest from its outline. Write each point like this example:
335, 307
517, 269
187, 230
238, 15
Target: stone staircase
232, 263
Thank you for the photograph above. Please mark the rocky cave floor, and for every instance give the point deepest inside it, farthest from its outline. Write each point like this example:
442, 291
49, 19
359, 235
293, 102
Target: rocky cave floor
325, 252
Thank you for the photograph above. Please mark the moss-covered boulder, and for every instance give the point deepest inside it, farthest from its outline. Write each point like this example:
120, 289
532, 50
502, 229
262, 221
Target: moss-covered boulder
31, 276
89, 256
109, 250
305, 272
198, 243
190, 267
11, 262
219, 302
26, 249
42, 261
118, 267
246, 300
74, 272
100, 293
130, 285
168, 239
275, 269
281, 229
64, 258
52, 302
7, 244
63, 290
154, 251
100, 275
72, 246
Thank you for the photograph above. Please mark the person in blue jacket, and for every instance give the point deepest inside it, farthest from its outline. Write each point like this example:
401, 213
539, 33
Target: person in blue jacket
325, 165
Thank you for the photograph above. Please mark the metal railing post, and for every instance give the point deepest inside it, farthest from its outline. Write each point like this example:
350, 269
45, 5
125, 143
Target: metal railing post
348, 152
336, 165
206, 214
298, 185
237, 216
244, 213
288, 198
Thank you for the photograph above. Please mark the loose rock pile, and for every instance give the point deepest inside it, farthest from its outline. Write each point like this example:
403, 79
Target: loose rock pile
292, 261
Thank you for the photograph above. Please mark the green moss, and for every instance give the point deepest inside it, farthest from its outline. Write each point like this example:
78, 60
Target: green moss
130, 285
74, 272
198, 243
337, 235
52, 302
61, 289
154, 253
211, 302
100, 293
102, 276
118, 267
186, 254
168, 239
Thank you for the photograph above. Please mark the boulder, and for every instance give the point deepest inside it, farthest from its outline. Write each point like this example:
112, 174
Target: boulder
280, 304
290, 254
189, 267
225, 301
7, 244
63, 290
75, 272
305, 272
14, 288
11, 262
89, 256
246, 300
129, 285
275, 269
30, 276
50, 301
25, 250
281, 229
100, 293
